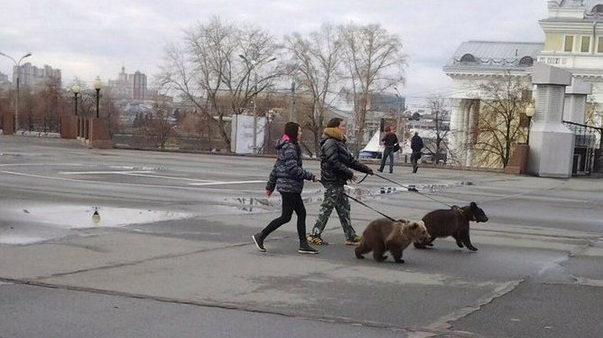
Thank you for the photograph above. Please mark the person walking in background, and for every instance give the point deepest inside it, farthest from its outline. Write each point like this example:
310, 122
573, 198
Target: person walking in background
288, 177
416, 145
336, 163
389, 142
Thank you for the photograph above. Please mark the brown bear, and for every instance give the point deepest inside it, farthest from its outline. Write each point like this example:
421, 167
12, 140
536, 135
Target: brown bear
394, 236
452, 222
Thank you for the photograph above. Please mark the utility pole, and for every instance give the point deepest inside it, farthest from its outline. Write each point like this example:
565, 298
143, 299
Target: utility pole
255, 113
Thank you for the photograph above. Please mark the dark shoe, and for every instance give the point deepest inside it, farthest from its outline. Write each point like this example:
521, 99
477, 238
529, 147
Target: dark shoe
304, 248
258, 239
380, 170
353, 241
391, 171
316, 240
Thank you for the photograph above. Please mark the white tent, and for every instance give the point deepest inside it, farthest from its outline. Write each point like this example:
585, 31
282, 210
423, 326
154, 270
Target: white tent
373, 148
374, 144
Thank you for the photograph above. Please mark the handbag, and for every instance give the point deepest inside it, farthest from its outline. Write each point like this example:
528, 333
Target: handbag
396, 147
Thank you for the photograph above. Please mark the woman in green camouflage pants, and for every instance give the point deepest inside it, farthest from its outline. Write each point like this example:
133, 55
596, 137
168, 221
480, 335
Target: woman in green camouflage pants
336, 163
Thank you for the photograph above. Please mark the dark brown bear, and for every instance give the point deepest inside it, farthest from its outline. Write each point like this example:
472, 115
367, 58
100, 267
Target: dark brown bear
394, 236
452, 222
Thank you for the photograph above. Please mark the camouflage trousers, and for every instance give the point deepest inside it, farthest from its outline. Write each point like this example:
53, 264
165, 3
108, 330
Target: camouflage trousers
334, 197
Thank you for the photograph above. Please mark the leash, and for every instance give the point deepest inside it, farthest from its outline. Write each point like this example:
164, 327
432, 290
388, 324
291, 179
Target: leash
412, 189
368, 206
362, 180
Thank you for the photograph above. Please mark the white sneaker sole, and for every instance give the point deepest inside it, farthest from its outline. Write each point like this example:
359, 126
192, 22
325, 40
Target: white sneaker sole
257, 245
307, 252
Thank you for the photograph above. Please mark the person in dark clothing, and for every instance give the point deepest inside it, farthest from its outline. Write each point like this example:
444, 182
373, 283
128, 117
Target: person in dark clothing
336, 163
416, 145
288, 177
389, 142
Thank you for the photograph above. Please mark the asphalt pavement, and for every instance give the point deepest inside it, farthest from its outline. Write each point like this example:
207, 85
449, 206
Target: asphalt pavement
172, 255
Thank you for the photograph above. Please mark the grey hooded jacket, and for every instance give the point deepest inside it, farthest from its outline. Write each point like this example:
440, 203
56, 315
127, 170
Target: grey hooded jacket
287, 174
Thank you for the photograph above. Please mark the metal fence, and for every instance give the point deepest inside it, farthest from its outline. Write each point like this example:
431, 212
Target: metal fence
587, 148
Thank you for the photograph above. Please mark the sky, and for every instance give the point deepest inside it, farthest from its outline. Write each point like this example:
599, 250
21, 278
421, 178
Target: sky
86, 39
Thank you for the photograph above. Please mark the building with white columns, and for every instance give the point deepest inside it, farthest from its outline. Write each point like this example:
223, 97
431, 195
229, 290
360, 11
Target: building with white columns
573, 41
473, 65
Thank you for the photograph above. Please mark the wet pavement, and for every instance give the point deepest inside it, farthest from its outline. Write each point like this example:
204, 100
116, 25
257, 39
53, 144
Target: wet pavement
172, 256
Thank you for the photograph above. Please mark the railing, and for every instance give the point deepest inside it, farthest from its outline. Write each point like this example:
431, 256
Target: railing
587, 148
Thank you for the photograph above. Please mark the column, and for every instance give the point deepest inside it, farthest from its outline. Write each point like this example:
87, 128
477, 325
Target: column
574, 109
551, 143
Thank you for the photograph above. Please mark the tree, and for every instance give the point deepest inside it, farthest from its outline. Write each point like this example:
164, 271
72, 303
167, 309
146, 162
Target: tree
438, 109
498, 126
50, 104
593, 116
157, 127
374, 61
221, 60
316, 61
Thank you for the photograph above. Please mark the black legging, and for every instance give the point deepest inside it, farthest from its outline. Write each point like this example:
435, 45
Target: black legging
291, 202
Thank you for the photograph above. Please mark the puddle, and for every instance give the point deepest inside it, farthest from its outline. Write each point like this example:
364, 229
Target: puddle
20, 239
253, 204
257, 205
44, 222
79, 217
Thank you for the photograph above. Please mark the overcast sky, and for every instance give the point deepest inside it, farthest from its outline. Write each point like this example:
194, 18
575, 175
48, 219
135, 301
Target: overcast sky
89, 38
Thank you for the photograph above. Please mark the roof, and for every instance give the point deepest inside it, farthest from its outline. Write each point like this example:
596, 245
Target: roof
495, 53
587, 4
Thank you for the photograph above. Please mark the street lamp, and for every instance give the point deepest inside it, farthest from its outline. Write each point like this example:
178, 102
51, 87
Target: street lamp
97, 86
255, 96
76, 90
18, 65
530, 111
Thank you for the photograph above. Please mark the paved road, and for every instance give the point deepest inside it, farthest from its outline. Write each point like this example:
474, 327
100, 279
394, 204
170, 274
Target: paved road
171, 255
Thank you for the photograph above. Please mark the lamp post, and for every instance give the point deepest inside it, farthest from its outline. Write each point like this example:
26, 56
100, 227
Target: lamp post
76, 90
255, 96
18, 65
97, 86
530, 111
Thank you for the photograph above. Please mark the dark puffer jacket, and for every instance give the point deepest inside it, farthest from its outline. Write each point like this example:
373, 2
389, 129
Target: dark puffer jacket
287, 174
336, 160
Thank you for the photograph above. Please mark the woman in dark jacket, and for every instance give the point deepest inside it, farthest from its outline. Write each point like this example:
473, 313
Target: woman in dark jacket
336, 163
288, 177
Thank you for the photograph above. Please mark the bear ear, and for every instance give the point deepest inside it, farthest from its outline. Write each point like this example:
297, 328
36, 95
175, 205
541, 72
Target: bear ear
414, 225
473, 205
403, 221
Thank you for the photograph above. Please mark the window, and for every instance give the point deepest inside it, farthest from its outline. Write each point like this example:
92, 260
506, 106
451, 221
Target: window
600, 45
585, 44
569, 43
467, 58
526, 61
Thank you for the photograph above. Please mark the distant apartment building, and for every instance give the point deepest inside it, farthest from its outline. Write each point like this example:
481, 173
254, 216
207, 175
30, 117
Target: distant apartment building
32, 76
131, 86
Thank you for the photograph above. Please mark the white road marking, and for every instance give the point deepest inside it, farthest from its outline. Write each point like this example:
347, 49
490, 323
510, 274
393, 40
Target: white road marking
199, 183
226, 183
141, 173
